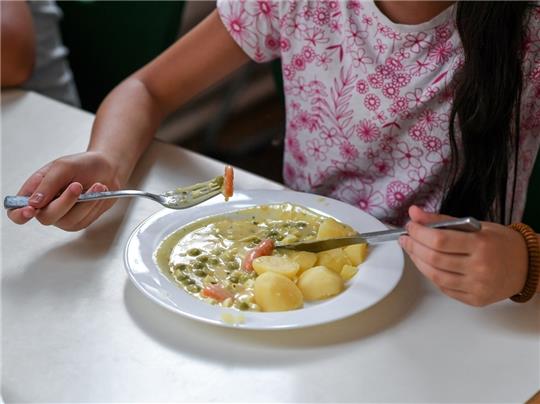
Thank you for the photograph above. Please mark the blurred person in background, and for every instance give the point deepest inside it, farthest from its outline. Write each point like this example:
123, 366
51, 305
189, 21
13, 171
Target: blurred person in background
33, 56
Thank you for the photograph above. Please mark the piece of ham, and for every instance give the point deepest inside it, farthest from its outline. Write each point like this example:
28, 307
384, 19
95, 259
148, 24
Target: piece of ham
265, 247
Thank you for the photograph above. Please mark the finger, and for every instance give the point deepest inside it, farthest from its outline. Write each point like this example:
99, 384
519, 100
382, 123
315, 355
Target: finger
22, 215
441, 278
467, 298
96, 213
78, 212
83, 214
60, 206
33, 181
446, 241
55, 180
456, 263
421, 216
463, 297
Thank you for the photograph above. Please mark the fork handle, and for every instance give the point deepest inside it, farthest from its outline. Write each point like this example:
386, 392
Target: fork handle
467, 224
15, 202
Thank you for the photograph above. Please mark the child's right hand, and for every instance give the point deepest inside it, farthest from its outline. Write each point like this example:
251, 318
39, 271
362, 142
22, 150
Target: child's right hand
54, 190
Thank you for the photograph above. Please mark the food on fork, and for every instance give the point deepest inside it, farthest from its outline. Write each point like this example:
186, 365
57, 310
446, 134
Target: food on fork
228, 180
229, 260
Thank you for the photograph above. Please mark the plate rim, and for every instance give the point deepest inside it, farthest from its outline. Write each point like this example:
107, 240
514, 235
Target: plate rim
251, 194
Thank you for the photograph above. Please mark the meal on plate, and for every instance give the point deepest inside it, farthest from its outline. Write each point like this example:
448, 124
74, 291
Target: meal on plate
230, 260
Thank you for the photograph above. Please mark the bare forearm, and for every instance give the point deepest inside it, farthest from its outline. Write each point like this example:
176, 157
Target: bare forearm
128, 118
199, 59
125, 125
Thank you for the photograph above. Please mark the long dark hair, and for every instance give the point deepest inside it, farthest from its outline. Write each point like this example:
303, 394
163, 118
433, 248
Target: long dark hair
486, 108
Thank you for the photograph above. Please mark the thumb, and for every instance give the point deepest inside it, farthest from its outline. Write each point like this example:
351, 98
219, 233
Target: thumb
420, 216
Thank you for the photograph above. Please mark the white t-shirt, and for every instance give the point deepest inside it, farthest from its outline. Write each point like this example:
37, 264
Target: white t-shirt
368, 100
51, 75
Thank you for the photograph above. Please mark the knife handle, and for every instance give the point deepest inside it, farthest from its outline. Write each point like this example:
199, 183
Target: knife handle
467, 224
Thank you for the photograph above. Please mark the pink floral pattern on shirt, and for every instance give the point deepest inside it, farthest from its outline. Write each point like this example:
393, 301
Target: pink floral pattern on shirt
368, 101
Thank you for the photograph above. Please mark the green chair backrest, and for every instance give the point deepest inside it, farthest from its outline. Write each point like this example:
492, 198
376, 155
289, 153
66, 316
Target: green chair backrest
532, 208
109, 40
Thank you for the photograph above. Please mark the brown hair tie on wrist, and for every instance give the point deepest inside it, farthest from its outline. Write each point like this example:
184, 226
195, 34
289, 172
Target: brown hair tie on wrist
533, 272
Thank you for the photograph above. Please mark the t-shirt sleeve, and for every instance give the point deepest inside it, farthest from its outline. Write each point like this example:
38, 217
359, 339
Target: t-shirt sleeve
254, 26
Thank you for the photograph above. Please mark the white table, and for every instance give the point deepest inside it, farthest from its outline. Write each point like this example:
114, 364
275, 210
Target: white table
75, 329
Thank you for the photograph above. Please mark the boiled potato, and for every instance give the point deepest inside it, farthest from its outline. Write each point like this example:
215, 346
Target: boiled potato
333, 259
348, 272
356, 253
331, 228
276, 292
319, 283
304, 259
273, 263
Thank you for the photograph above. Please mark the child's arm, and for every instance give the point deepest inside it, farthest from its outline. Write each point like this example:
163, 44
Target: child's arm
125, 125
130, 115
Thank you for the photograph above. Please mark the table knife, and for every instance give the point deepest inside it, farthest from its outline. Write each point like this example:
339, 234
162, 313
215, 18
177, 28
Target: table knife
467, 224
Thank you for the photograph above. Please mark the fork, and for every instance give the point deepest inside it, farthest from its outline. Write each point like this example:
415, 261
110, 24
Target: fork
179, 198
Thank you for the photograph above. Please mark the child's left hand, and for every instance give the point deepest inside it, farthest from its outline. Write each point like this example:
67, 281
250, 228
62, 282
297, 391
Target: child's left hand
476, 268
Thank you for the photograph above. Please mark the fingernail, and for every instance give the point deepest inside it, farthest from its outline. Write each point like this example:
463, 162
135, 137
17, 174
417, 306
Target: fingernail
36, 198
28, 213
96, 188
76, 188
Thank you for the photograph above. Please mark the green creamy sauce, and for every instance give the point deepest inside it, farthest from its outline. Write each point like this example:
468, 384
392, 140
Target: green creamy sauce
210, 251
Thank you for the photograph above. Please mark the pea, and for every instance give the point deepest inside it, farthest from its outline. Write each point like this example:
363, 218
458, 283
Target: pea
201, 273
233, 278
199, 265
217, 251
180, 276
187, 281
194, 252
193, 289
246, 276
181, 267
243, 306
202, 258
228, 256
232, 265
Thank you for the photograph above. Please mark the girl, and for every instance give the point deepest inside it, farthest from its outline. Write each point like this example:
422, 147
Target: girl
400, 108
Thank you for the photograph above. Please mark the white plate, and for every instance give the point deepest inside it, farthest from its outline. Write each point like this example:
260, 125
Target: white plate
377, 276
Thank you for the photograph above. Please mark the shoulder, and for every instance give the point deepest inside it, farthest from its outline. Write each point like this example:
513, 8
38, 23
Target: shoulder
531, 46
